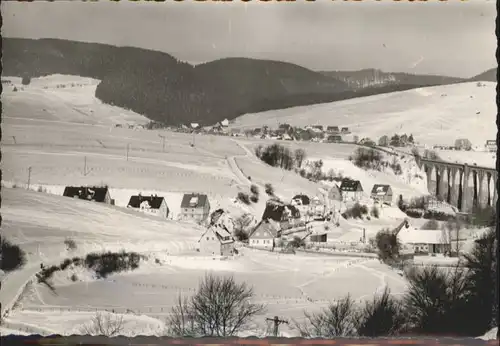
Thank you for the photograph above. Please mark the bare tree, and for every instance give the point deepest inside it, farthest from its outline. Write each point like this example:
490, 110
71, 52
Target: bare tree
241, 225
221, 307
300, 156
105, 324
337, 320
181, 322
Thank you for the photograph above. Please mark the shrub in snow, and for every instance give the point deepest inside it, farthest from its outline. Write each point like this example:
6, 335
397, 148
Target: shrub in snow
375, 212
414, 212
243, 198
367, 158
355, 212
26, 80
269, 189
12, 257
254, 198
254, 189
70, 244
438, 215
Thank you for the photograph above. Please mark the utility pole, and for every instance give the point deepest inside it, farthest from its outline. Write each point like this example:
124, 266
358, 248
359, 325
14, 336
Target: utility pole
29, 176
128, 145
85, 165
14, 138
276, 320
163, 141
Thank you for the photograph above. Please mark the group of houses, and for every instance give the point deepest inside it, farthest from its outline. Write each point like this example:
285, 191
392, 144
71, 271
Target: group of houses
194, 206
316, 133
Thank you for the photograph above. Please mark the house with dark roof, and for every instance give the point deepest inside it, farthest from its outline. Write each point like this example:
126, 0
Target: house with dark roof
334, 139
303, 203
286, 215
382, 193
216, 241
153, 205
345, 130
194, 207
351, 190
98, 194
332, 129
264, 235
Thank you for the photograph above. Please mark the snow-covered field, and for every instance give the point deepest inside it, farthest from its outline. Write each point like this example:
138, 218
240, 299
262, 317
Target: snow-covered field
434, 115
63, 146
153, 286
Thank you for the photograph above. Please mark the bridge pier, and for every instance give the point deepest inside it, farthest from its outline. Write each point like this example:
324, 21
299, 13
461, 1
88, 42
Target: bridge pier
454, 187
495, 195
465, 205
441, 184
449, 189
481, 201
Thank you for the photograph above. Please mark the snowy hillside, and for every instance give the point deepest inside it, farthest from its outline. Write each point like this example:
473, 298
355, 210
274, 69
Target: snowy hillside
434, 115
62, 98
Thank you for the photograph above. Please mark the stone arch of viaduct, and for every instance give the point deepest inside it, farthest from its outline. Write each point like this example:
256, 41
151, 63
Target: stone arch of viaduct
461, 185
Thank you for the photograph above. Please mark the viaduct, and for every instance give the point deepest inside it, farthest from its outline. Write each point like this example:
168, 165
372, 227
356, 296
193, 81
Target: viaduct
461, 185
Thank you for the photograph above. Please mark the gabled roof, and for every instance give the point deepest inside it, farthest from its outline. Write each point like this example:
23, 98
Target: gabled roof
265, 229
380, 189
221, 233
90, 193
275, 209
333, 128
303, 198
153, 201
194, 200
420, 236
351, 185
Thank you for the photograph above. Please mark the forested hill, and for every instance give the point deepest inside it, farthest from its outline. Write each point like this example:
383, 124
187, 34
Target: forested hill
165, 89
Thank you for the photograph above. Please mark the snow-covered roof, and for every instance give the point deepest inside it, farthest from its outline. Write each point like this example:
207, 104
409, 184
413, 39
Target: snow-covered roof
420, 236
381, 189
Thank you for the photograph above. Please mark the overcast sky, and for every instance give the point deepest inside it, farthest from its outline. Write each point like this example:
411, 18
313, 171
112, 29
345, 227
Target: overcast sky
450, 38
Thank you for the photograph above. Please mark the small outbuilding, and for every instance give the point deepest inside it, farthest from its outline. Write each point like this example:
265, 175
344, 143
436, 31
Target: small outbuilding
426, 241
382, 193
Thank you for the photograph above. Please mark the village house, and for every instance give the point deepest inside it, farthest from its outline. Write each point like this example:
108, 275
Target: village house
334, 194
150, 205
345, 130
334, 139
317, 128
286, 215
216, 241
333, 129
195, 125
382, 193
318, 238
302, 203
224, 123
463, 144
264, 234
491, 145
318, 208
425, 241
351, 190
195, 207
92, 193
235, 132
